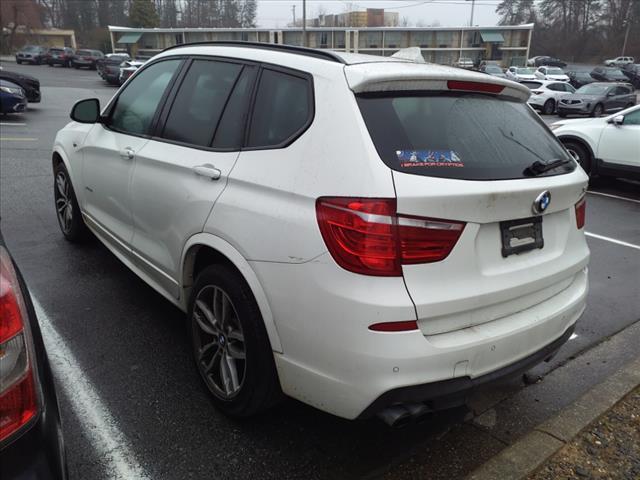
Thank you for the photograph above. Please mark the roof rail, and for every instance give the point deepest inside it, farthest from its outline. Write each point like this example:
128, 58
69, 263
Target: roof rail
309, 52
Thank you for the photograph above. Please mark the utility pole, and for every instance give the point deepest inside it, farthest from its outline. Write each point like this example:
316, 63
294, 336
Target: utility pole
293, 9
304, 23
626, 35
473, 6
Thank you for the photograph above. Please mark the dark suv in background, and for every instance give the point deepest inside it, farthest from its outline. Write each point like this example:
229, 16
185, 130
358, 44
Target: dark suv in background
608, 74
29, 84
109, 67
31, 54
597, 98
86, 58
60, 56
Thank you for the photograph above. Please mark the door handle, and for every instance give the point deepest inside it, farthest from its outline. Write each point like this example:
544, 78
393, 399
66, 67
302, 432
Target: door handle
127, 153
207, 170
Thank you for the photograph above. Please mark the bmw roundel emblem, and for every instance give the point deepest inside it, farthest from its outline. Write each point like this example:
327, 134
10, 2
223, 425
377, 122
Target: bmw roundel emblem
542, 202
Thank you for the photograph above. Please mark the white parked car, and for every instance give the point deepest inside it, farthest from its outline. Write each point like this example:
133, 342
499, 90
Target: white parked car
346, 234
551, 73
519, 74
604, 146
464, 62
545, 94
619, 61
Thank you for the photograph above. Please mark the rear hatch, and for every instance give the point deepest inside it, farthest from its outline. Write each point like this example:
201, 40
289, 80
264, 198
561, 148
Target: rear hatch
472, 152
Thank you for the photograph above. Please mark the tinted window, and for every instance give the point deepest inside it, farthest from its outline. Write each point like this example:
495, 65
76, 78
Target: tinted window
531, 85
83, 52
556, 87
136, 106
230, 132
199, 103
282, 108
472, 137
632, 118
622, 91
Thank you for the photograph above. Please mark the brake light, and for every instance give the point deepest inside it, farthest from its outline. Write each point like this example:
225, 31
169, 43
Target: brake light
536, 92
474, 86
581, 211
18, 395
367, 236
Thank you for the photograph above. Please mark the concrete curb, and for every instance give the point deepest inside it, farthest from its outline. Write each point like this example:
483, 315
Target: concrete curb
523, 457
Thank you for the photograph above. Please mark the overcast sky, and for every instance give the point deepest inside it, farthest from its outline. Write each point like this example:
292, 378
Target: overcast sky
277, 13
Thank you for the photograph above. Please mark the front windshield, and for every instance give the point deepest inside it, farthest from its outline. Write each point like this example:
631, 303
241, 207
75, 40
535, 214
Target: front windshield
592, 89
555, 71
525, 71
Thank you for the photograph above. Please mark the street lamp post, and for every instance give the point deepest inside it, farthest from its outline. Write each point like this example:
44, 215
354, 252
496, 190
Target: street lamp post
304, 23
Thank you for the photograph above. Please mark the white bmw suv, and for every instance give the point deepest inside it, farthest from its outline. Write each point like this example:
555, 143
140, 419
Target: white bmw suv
367, 235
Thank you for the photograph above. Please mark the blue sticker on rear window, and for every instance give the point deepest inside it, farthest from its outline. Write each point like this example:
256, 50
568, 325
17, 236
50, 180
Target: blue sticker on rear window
428, 158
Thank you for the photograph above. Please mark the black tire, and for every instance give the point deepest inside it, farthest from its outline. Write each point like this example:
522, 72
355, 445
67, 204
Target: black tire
580, 153
549, 107
19, 62
72, 227
76, 66
562, 115
597, 110
628, 105
259, 388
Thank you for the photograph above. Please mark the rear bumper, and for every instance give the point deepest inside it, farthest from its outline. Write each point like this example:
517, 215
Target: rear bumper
332, 361
454, 392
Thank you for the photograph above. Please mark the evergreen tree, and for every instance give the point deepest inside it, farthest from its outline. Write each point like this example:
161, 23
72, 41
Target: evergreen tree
143, 14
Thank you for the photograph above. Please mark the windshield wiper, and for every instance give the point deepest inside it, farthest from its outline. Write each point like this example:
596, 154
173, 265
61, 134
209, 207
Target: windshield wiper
538, 168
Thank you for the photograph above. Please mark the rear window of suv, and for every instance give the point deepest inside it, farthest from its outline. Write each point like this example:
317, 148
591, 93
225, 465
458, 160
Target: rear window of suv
466, 136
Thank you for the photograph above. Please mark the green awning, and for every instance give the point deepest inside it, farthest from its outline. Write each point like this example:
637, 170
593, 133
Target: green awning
492, 37
130, 38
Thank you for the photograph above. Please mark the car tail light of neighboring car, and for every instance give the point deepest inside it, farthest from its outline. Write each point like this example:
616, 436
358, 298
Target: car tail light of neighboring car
581, 211
19, 398
536, 92
367, 236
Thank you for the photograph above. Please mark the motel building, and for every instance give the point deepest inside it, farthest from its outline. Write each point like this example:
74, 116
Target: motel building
508, 45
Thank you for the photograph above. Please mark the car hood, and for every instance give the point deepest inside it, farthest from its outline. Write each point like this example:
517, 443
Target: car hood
18, 76
526, 76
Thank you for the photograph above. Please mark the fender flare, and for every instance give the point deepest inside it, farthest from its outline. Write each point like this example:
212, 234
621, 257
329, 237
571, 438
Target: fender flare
236, 258
57, 149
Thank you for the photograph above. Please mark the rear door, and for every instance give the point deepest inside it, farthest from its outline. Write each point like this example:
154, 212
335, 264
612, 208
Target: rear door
181, 172
462, 157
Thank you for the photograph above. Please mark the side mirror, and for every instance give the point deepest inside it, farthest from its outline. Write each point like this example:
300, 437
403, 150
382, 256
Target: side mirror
617, 120
86, 111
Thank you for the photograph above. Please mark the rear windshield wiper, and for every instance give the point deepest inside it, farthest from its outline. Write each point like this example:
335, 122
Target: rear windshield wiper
538, 168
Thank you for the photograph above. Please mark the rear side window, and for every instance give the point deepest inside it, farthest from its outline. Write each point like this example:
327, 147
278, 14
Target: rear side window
283, 109
198, 106
230, 131
467, 136
137, 104
83, 52
622, 91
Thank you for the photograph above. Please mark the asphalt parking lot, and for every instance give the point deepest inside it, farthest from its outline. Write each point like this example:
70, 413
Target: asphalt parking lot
132, 403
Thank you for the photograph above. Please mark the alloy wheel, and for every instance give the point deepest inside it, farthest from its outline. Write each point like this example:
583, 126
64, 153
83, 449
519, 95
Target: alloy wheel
64, 203
218, 342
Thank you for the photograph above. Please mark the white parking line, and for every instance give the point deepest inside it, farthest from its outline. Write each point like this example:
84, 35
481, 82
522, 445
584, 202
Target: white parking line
614, 196
573, 336
4, 124
99, 425
612, 240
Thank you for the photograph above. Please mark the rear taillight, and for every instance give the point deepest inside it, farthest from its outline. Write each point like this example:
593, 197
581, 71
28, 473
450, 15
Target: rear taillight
18, 394
536, 92
367, 236
581, 211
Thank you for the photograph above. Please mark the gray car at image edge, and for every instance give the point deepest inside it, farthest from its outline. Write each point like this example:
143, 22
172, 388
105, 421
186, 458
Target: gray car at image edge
597, 98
